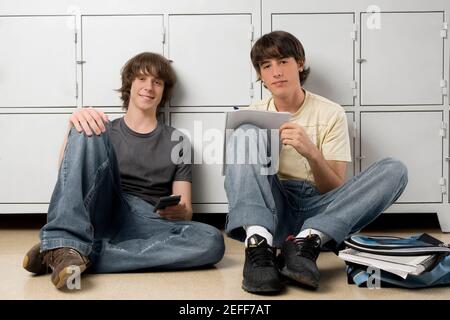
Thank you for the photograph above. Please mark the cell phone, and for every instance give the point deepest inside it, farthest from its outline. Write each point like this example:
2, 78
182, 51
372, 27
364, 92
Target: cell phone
168, 201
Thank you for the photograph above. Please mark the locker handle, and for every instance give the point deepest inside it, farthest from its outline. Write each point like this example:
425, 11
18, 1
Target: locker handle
360, 157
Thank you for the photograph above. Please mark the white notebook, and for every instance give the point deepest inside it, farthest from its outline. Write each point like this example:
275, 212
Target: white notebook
399, 265
261, 119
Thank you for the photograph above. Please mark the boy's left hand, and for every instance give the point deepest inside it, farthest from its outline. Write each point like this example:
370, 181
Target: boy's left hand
178, 212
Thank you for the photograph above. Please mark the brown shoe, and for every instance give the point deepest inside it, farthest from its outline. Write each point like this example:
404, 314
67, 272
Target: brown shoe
33, 261
62, 261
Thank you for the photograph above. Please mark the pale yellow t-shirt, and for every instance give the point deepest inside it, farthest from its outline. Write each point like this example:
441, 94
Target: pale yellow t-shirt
325, 123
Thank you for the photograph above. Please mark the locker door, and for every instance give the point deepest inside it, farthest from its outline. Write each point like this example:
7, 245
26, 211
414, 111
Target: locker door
207, 184
351, 134
329, 51
210, 55
30, 147
37, 62
413, 138
403, 59
108, 43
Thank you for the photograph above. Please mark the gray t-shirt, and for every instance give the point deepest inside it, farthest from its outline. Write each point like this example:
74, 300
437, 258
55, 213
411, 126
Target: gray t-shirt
146, 167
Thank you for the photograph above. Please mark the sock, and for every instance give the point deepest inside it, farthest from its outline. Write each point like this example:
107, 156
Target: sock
323, 237
263, 232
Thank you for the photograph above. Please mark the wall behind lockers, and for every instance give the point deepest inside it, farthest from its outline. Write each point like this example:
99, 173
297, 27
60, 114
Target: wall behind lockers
386, 62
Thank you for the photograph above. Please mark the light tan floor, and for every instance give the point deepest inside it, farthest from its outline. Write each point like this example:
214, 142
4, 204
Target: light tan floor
221, 282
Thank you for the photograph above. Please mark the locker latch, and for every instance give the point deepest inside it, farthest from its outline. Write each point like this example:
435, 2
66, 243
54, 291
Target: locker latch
251, 91
354, 86
81, 62
354, 32
443, 184
444, 30
443, 130
444, 87
251, 33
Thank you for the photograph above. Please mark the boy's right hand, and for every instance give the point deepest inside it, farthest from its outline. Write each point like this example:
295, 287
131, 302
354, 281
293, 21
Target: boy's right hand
88, 120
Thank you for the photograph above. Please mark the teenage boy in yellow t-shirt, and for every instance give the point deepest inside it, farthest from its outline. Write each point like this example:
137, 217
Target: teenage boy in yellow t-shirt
309, 203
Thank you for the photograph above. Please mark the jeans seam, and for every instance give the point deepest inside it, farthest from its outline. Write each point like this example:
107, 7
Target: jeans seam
96, 183
64, 169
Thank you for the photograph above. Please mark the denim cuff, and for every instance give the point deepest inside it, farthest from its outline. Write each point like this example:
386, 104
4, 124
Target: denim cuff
335, 228
83, 248
249, 216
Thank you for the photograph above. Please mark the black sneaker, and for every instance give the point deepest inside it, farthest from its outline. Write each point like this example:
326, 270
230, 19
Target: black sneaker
299, 257
260, 269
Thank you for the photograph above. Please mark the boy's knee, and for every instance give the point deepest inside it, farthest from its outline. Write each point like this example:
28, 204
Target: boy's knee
395, 168
214, 245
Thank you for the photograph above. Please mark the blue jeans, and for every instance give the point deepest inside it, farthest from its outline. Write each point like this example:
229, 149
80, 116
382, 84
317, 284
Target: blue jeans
118, 231
290, 206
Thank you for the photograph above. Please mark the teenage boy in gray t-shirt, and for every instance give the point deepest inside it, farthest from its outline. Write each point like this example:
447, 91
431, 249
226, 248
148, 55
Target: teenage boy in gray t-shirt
111, 175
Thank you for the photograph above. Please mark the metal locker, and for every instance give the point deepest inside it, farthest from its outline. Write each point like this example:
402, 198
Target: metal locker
108, 42
328, 40
402, 61
207, 184
30, 147
210, 55
37, 61
415, 139
352, 136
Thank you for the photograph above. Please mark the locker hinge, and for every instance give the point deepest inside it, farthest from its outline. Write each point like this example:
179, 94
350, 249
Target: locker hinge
443, 184
76, 37
163, 35
444, 87
81, 62
251, 91
76, 90
354, 86
251, 32
443, 130
354, 33
444, 30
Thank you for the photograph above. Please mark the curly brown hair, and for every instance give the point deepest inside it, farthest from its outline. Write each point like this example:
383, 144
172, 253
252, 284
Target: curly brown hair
277, 45
147, 63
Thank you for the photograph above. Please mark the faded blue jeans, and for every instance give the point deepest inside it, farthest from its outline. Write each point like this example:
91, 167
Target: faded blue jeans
118, 231
286, 207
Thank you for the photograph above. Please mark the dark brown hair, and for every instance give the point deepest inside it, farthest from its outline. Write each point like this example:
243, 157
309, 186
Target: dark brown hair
277, 45
147, 63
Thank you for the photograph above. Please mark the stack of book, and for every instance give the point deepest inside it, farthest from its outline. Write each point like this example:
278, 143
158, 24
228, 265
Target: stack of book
400, 256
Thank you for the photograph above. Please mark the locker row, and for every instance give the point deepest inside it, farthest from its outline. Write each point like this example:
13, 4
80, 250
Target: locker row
34, 140
50, 61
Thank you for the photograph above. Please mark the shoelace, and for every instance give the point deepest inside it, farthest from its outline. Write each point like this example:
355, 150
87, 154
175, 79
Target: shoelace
306, 248
262, 257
